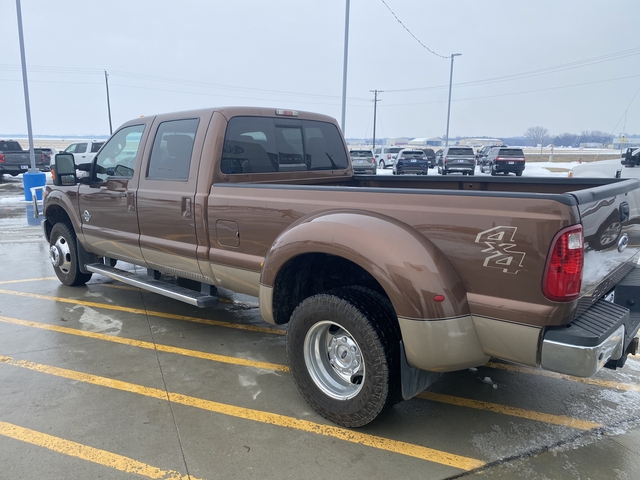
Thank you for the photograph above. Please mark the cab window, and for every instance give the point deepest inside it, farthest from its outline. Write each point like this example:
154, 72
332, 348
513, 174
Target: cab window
267, 145
118, 157
172, 149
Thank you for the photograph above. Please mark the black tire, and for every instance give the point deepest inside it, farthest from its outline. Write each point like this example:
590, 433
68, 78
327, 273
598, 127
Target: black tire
444, 172
381, 164
472, 172
519, 174
64, 257
493, 171
357, 327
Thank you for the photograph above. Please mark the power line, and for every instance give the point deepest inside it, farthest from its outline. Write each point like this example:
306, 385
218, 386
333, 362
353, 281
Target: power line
533, 73
410, 33
516, 93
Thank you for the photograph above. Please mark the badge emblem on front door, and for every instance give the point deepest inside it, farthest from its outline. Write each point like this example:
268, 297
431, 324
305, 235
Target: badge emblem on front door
86, 216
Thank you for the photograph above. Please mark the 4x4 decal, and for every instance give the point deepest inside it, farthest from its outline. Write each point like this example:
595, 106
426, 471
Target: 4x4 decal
500, 241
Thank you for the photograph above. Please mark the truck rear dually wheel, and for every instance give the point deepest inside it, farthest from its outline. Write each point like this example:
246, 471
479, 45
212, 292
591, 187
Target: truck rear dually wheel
64, 257
344, 359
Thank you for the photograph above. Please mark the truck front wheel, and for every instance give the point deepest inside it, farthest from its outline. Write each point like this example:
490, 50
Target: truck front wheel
344, 357
63, 255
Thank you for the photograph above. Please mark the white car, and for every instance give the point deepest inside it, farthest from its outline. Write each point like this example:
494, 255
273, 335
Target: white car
386, 156
83, 152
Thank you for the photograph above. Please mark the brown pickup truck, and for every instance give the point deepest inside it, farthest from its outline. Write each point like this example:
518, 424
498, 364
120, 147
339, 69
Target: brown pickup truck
385, 281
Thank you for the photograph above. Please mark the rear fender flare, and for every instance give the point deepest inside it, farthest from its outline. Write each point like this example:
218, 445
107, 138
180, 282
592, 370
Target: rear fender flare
410, 269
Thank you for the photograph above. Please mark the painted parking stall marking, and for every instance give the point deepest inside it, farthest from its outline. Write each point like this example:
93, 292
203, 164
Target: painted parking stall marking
381, 443
90, 454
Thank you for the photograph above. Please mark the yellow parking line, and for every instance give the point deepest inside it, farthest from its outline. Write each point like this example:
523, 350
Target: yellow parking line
381, 443
90, 454
457, 401
4, 282
139, 311
512, 411
148, 345
545, 373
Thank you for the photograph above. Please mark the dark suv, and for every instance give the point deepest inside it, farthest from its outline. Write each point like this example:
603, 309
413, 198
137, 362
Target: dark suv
431, 156
457, 159
504, 160
411, 161
481, 154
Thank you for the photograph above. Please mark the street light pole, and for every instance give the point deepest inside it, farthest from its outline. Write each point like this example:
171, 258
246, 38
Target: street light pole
449, 104
106, 81
344, 68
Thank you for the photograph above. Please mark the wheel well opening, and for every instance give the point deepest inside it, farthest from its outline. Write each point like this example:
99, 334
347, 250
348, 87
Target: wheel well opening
314, 273
55, 215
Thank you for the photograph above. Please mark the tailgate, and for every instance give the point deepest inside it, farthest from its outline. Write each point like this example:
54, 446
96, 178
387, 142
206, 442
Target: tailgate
610, 218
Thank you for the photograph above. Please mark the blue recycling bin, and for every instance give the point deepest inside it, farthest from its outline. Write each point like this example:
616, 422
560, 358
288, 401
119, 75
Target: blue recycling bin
33, 179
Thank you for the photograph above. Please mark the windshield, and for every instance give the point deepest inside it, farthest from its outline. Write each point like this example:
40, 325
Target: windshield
395, 149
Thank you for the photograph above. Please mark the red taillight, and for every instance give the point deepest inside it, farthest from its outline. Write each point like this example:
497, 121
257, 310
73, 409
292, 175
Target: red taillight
446, 159
42, 154
388, 156
1, 157
563, 272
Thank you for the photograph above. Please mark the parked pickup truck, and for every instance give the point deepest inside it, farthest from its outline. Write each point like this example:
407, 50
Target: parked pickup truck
14, 160
385, 282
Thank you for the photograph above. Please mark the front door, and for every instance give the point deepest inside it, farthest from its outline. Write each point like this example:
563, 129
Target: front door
107, 206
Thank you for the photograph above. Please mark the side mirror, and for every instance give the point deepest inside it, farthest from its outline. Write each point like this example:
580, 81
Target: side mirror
64, 170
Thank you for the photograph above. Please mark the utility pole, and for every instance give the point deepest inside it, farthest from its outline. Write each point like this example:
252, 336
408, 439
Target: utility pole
449, 104
106, 81
375, 105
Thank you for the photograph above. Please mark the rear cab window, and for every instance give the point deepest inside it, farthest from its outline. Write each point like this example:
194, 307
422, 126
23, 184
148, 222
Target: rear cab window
460, 151
511, 152
361, 153
267, 145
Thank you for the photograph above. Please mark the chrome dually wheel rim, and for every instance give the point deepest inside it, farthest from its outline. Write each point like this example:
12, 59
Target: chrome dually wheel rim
334, 360
60, 255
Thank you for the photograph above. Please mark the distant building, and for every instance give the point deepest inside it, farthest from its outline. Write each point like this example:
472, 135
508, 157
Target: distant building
426, 142
480, 142
397, 141
628, 141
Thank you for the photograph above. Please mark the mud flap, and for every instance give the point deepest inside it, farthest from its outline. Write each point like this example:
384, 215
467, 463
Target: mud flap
414, 380
84, 257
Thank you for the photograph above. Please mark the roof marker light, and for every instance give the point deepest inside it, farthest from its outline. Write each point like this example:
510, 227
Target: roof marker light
287, 113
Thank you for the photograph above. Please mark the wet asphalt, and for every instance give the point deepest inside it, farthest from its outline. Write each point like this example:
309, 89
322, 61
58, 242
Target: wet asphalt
108, 381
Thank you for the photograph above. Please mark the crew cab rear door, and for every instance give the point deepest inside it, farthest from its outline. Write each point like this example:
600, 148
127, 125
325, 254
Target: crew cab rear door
166, 193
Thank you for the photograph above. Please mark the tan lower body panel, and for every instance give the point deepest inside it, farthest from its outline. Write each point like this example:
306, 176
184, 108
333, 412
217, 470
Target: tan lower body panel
265, 300
508, 341
442, 345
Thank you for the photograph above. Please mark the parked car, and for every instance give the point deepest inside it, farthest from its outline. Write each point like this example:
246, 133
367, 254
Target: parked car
83, 152
14, 160
363, 161
457, 159
411, 161
431, 156
504, 160
481, 154
386, 156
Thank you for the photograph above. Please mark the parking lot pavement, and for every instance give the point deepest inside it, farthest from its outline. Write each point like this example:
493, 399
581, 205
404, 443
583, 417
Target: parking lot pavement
107, 381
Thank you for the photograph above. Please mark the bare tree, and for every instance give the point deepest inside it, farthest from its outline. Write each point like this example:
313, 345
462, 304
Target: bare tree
536, 134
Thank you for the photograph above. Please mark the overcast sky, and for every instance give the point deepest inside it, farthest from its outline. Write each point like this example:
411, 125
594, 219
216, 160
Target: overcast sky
567, 65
